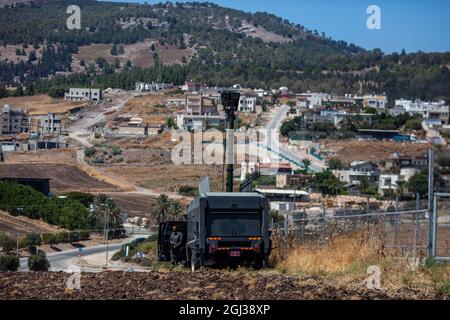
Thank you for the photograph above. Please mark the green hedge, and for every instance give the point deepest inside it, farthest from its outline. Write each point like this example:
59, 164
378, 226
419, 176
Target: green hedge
67, 213
9, 263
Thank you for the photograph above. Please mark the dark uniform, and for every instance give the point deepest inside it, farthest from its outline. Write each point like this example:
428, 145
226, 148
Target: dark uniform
176, 239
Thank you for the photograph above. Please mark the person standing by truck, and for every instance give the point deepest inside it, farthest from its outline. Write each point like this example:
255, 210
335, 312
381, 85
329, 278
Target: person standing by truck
176, 239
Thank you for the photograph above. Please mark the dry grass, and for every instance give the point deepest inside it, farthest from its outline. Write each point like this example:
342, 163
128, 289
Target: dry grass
345, 258
340, 255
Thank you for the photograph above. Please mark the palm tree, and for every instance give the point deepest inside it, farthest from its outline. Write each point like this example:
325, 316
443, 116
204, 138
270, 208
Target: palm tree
176, 210
106, 208
163, 204
306, 163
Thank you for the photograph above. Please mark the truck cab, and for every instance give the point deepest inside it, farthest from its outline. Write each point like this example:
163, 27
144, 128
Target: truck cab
228, 229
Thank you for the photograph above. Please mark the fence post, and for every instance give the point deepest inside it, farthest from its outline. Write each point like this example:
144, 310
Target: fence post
396, 220
286, 226
416, 244
430, 202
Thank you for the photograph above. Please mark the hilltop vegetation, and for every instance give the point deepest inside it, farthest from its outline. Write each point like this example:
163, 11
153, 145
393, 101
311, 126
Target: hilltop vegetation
230, 46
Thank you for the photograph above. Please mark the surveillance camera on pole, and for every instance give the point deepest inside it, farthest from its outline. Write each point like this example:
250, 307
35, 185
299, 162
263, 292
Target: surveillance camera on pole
230, 102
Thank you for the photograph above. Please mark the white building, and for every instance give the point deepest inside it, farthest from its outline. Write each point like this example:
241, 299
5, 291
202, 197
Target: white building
428, 110
359, 170
394, 182
247, 104
198, 122
83, 94
49, 124
373, 101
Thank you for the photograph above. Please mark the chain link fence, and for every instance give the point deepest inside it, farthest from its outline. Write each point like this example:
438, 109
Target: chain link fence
403, 226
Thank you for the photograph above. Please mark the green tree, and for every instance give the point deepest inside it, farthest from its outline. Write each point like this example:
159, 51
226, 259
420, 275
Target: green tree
56, 92
327, 182
170, 122
114, 50
418, 183
176, 210
107, 213
31, 241
163, 208
335, 164
306, 164
38, 262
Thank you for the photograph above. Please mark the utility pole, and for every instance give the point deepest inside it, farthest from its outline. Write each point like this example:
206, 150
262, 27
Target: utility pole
230, 102
106, 232
18, 234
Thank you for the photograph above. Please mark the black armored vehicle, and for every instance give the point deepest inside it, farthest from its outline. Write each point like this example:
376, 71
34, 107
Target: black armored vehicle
228, 229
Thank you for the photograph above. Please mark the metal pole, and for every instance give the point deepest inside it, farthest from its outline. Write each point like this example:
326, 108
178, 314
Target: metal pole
434, 227
106, 234
431, 229
417, 220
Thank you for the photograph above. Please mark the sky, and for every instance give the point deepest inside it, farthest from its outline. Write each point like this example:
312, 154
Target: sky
412, 25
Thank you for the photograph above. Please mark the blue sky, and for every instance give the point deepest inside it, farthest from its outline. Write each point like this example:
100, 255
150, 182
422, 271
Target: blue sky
405, 24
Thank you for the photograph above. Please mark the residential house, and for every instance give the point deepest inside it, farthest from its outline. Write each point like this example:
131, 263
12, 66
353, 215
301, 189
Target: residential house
83, 94
134, 127
192, 86
154, 86
396, 162
394, 182
14, 120
358, 171
428, 110
291, 180
201, 112
374, 101
247, 104
49, 124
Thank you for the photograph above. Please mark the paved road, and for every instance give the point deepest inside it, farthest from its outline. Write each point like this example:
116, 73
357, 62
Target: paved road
294, 157
60, 261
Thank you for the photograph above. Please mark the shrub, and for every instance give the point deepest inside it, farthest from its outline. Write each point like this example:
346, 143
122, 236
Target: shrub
38, 262
63, 237
116, 151
74, 237
6, 243
9, 263
187, 191
89, 152
85, 235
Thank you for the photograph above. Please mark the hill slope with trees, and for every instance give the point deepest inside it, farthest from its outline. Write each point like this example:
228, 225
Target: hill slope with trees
231, 46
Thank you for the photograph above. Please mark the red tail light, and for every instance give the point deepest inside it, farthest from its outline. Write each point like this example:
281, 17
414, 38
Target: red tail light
212, 247
257, 248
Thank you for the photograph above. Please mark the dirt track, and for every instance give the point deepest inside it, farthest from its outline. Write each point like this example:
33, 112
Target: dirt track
185, 285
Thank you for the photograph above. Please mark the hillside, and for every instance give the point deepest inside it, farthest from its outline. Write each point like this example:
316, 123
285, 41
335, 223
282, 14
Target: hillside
201, 41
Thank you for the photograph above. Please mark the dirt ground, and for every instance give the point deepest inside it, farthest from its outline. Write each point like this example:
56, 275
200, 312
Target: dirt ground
192, 286
64, 177
8, 52
10, 224
168, 177
42, 104
139, 54
349, 151
63, 156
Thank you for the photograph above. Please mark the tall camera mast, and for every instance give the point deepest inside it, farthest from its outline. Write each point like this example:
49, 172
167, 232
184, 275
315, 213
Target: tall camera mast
230, 102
